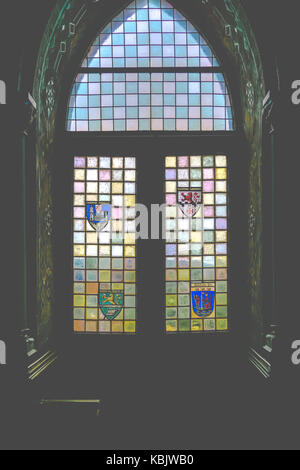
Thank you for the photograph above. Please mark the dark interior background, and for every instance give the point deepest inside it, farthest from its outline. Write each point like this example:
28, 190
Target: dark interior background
219, 405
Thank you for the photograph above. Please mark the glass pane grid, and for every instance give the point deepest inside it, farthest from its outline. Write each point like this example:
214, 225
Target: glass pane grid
104, 260
148, 35
197, 246
150, 102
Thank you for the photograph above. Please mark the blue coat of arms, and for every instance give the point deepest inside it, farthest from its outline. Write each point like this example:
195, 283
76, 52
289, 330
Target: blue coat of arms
111, 304
203, 303
98, 215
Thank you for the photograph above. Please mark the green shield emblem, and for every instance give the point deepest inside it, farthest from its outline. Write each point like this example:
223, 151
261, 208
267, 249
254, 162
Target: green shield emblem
111, 304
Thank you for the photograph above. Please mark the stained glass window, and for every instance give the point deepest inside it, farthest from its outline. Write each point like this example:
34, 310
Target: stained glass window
150, 70
197, 244
104, 245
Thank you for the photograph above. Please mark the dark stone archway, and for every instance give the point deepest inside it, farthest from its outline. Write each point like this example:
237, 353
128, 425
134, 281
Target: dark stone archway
72, 26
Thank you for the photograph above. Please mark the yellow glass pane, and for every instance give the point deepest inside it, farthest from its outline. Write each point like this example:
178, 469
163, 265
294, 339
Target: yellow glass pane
171, 300
104, 250
117, 326
117, 188
104, 276
221, 236
130, 276
129, 201
184, 274
221, 173
208, 199
196, 237
171, 187
197, 325
129, 239
171, 162
92, 238
90, 198
171, 212
221, 161
79, 200
209, 249
129, 251
222, 299
79, 300
79, 250
79, 175
222, 325
172, 326
130, 326
221, 261
117, 287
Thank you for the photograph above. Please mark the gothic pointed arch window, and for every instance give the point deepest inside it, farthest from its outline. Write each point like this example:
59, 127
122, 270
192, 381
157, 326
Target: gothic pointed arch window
151, 72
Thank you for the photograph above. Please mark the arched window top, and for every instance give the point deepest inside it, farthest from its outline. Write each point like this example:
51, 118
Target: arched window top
150, 33
150, 70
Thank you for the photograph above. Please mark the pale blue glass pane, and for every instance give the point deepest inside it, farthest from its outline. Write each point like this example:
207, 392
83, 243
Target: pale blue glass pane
154, 4
180, 26
155, 27
118, 39
132, 113
157, 112
81, 89
207, 113
167, 14
219, 100
94, 126
130, 27
81, 101
142, 15
94, 101
120, 125
105, 51
220, 125
107, 113
82, 114
79, 263
182, 113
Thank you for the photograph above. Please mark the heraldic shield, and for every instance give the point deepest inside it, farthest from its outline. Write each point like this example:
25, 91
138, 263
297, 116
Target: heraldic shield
203, 299
190, 202
111, 304
98, 215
